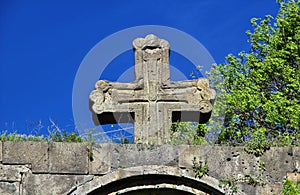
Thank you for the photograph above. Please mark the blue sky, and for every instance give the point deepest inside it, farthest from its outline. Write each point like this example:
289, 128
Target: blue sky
42, 44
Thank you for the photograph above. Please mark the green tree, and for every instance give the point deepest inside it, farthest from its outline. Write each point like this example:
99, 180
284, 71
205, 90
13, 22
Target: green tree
188, 133
262, 87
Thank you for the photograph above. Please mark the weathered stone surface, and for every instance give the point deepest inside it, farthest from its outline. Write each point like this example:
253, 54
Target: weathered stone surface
34, 153
278, 161
70, 169
246, 164
296, 158
9, 188
225, 163
68, 158
100, 161
165, 189
223, 166
270, 189
243, 188
294, 177
234, 161
12, 173
151, 101
187, 153
166, 175
136, 155
47, 184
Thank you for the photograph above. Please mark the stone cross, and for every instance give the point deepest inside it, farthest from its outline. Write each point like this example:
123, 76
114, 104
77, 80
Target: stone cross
152, 102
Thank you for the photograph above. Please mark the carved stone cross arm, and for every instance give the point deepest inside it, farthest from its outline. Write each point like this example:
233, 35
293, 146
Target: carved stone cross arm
152, 102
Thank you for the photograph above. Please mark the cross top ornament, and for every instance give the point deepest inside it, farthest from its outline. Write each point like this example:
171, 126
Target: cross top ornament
152, 102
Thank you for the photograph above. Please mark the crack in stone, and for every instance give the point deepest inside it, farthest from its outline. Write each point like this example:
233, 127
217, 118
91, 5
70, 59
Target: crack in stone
81, 184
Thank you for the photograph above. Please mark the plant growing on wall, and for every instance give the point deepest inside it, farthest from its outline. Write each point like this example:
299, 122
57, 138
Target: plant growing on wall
200, 168
290, 188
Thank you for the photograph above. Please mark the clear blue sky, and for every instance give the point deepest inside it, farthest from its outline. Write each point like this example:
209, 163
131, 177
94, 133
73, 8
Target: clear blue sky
42, 44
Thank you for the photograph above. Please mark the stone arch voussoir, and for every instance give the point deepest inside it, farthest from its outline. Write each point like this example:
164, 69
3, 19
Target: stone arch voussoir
135, 180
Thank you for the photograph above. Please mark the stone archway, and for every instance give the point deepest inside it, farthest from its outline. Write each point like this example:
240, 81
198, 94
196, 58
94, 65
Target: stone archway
150, 180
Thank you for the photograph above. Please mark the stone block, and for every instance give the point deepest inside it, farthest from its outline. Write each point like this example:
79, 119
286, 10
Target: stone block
296, 158
100, 161
9, 188
68, 158
12, 173
34, 153
136, 155
270, 189
246, 164
187, 153
221, 161
278, 161
47, 184
243, 188
160, 155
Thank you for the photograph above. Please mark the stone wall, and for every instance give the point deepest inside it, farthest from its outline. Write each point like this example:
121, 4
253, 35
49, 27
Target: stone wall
71, 168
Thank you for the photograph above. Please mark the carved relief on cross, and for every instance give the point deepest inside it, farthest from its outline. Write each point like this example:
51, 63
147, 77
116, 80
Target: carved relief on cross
152, 102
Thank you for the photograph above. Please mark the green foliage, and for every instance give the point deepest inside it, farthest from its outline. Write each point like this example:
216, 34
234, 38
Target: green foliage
258, 143
124, 141
230, 183
18, 137
53, 137
58, 136
290, 188
188, 133
262, 167
251, 180
91, 139
262, 87
200, 168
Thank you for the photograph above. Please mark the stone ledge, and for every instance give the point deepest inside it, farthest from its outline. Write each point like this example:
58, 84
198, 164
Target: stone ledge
56, 157
70, 159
